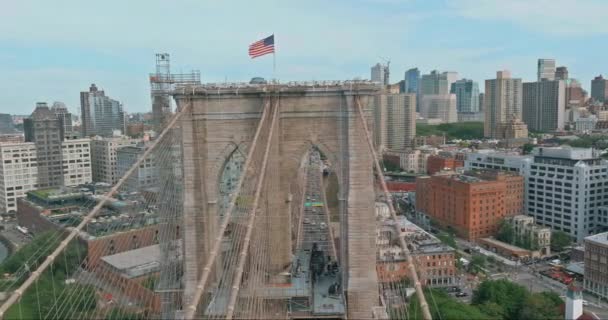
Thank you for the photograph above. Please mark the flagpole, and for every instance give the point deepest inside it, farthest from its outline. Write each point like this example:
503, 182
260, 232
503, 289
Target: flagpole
274, 60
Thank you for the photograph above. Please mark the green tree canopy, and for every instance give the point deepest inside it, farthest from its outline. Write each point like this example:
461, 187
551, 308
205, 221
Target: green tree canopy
443, 306
560, 240
507, 294
541, 306
460, 130
506, 232
478, 262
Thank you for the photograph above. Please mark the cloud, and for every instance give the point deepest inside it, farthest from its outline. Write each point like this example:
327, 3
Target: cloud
554, 17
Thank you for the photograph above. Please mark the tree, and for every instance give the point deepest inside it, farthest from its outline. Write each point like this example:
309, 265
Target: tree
506, 233
510, 296
560, 240
540, 306
478, 262
390, 167
493, 310
527, 148
448, 239
443, 306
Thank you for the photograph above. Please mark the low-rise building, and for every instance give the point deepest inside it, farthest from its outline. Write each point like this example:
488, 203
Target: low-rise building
441, 162
18, 173
525, 228
435, 261
512, 130
412, 161
432, 140
596, 264
472, 204
585, 124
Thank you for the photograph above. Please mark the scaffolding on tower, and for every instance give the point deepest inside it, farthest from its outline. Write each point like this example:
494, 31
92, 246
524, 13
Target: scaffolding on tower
162, 83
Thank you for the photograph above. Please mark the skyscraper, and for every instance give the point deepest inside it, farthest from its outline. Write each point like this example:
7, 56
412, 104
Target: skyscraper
65, 117
412, 80
380, 74
544, 105
575, 94
502, 101
6, 123
546, 69
561, 73
437, 83
100, 114
439, 106
599, 89
45, 130
467, 95
395, 121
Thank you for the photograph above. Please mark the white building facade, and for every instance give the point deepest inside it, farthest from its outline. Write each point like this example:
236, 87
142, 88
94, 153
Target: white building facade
76, 159
18, 173
104, 158
566, 188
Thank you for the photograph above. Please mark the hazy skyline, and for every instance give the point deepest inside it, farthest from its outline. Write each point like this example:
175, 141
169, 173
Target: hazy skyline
50, 51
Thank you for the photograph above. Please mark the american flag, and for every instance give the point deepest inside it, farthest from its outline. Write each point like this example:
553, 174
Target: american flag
262, 47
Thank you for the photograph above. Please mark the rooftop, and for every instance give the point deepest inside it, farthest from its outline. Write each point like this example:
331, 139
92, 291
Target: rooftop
600, 238
67, 206
565, 153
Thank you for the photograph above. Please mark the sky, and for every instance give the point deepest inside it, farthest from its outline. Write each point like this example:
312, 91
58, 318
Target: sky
52, 50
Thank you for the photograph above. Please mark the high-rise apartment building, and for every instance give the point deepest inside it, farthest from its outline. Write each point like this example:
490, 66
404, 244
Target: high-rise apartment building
482, 97
599, 89
437, 83
76, 160
546, 69
412, 80
503, 101
395, 121
103, 152
544, 105
65, 117
467, 95
439, 106
100, 114
18, 173
380, 74
44, 128
566, 190
6, 124
472, 204
561, 73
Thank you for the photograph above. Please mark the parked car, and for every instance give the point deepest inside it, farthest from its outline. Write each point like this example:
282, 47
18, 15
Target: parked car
461, 294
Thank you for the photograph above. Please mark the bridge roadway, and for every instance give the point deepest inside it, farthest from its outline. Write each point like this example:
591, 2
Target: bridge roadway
316, 236
308, 299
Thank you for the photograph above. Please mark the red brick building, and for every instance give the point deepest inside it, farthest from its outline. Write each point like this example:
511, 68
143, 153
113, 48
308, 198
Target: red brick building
437, 163
473, 204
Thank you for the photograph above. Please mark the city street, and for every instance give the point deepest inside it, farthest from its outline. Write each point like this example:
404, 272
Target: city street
531, 279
